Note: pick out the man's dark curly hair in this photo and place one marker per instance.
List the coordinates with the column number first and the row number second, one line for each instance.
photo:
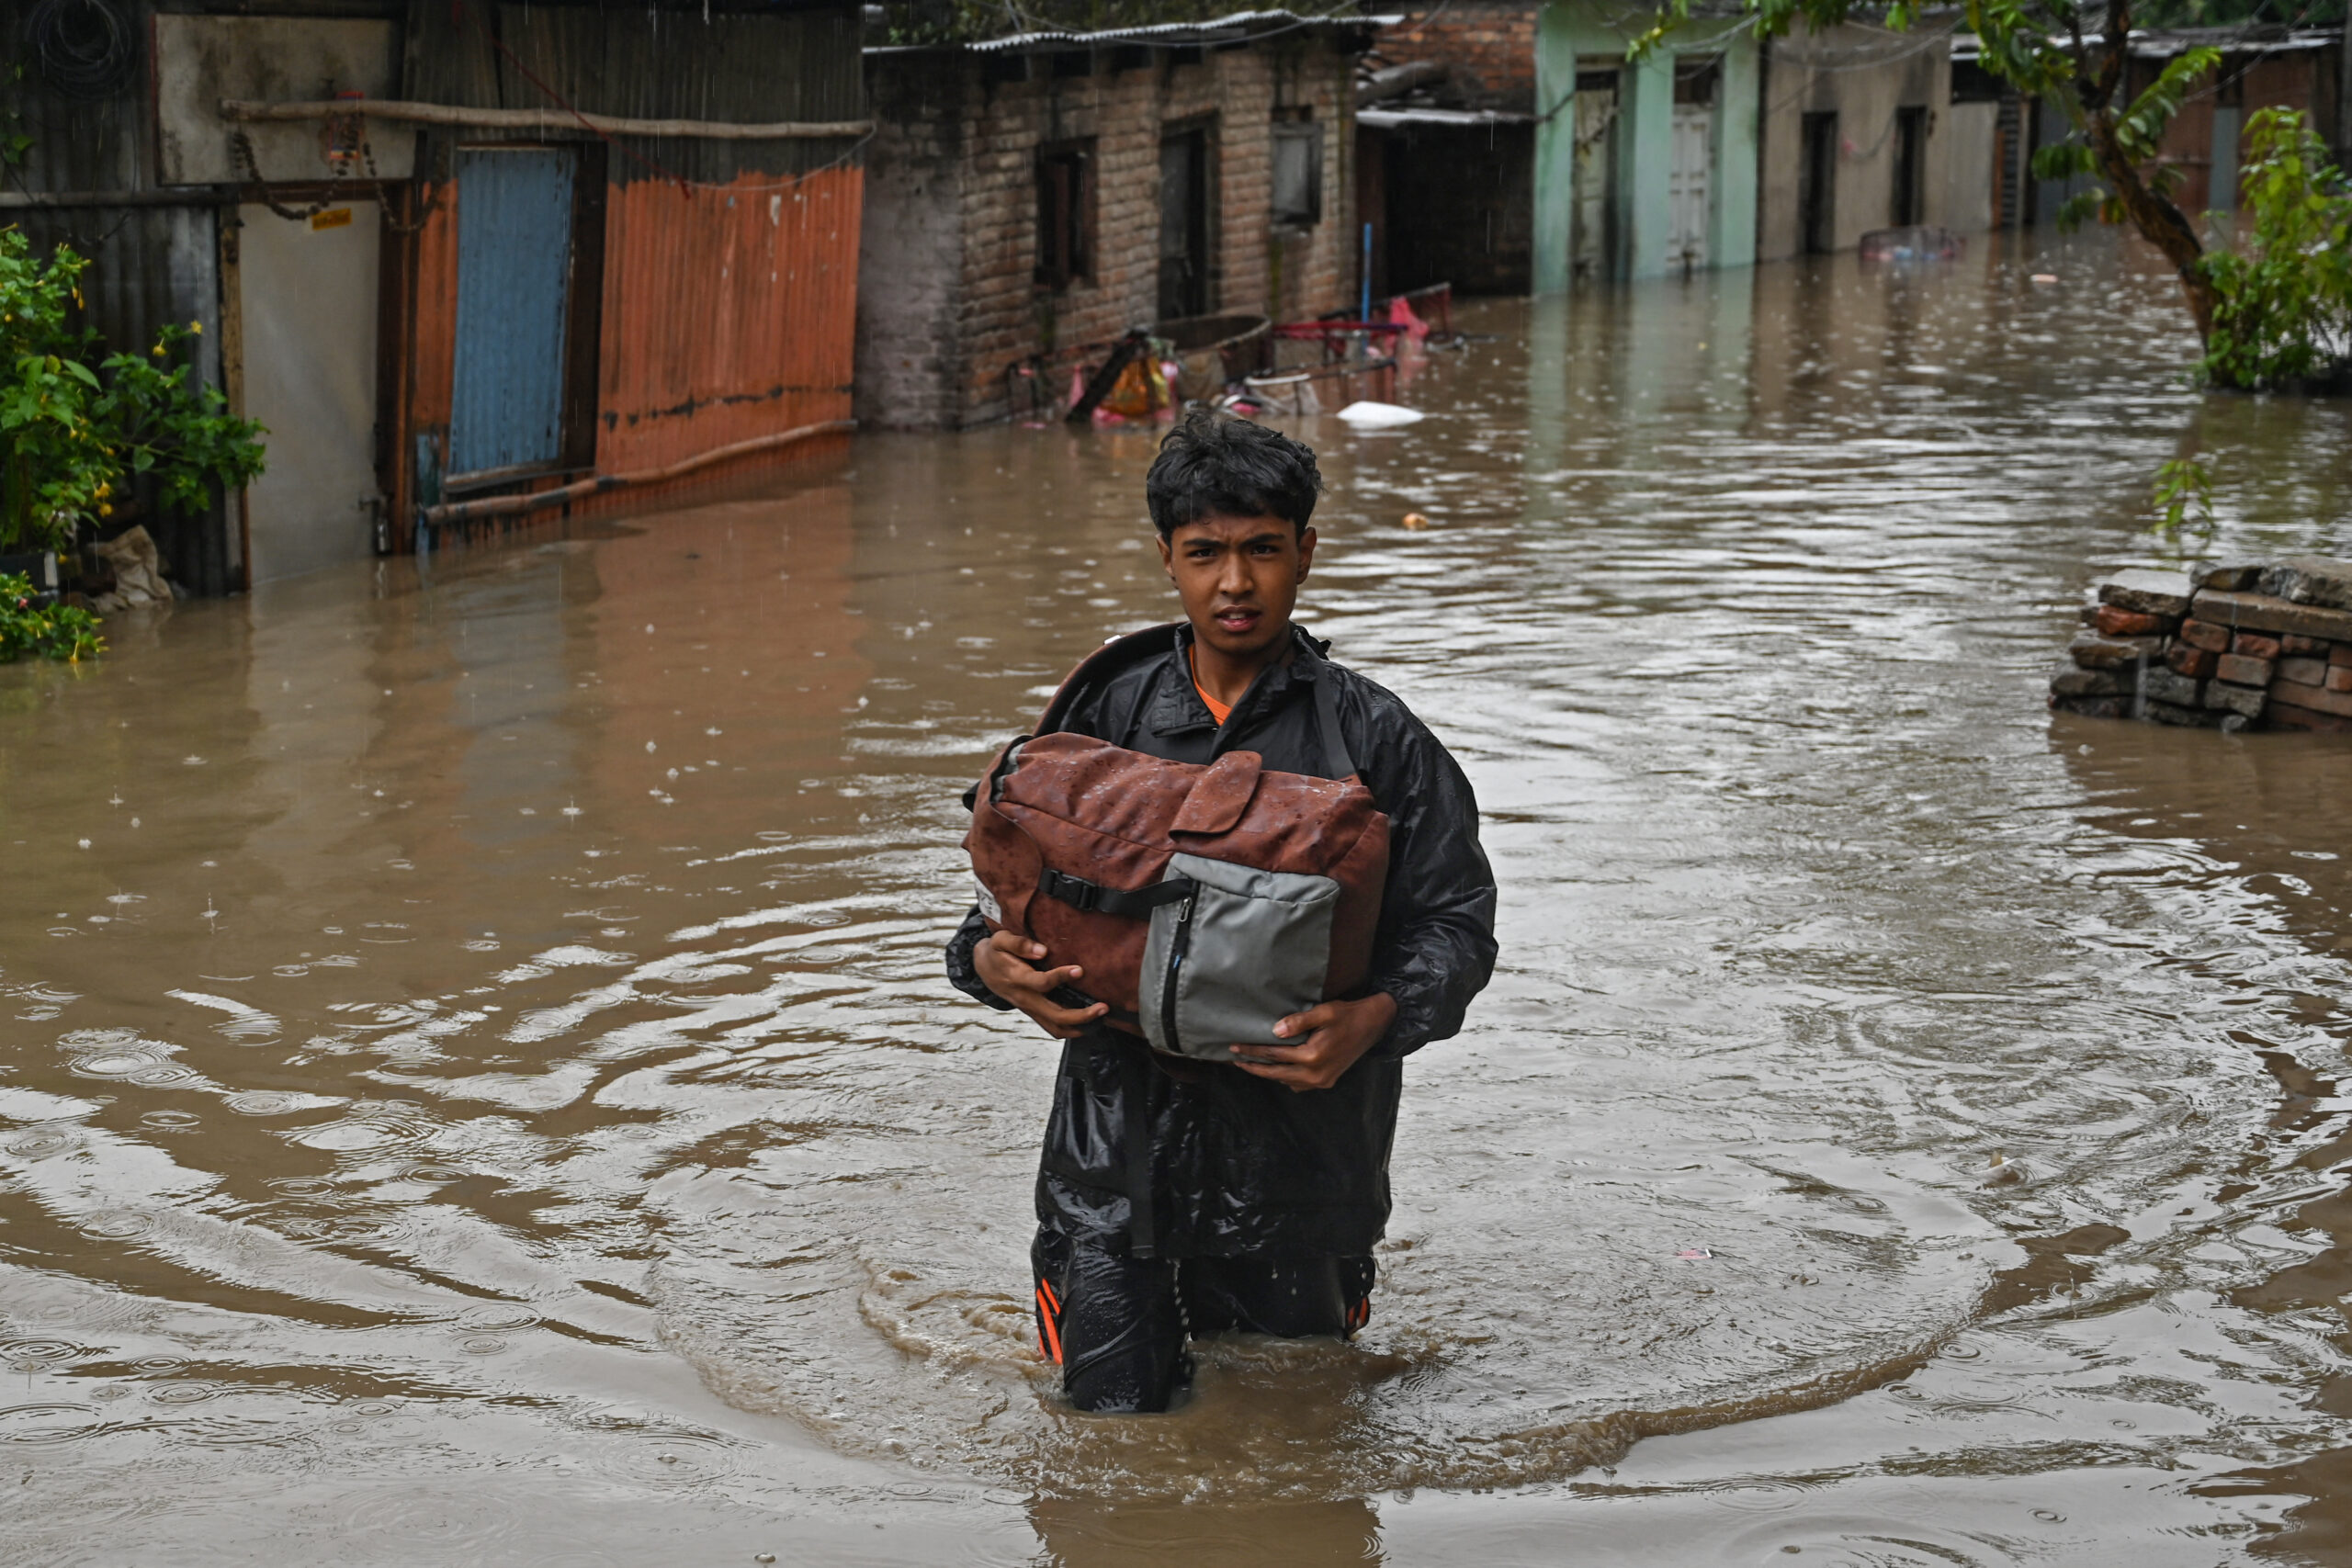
column 1215, row 464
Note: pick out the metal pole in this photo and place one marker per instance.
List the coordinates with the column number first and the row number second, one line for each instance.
column 1366, row 314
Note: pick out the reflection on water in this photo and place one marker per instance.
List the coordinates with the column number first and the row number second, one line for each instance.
column 479, row 1087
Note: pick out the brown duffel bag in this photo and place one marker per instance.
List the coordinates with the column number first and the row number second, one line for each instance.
column 1205, row 902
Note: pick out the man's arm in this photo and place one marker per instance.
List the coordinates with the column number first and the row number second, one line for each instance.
column 1435, row 950
column 1436, row 947
column 1001, row 970
column 962, row 972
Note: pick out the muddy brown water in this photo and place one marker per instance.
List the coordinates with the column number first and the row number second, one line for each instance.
column 479, row 1089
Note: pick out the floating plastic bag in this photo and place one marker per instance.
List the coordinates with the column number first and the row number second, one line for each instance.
column 1376, row 414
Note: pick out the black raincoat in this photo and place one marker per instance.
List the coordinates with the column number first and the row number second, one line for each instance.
column 1239, row 1165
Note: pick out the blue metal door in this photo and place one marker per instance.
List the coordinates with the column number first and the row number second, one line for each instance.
column 513, row 271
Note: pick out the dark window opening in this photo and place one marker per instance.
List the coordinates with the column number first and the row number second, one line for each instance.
column 1907, row 206
column 1298, row 173
column 1695, row 80
column 1971, row 83
column 1064, row 214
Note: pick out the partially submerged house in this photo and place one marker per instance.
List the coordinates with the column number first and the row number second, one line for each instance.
column 466, row 259
column 1855, row 135
column 1031, row 197
column 1644, row 167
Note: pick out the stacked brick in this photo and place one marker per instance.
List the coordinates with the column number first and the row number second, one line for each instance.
column 2236, row 647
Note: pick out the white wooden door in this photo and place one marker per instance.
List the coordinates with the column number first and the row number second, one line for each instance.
column 1687, row 186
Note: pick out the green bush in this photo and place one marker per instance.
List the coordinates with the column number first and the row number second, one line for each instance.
column 57, row 631
column 2282, row 292
column 71, row 434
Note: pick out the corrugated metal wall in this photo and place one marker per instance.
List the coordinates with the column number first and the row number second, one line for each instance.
column 727, row 308
column 149, row 265
column 729, row 313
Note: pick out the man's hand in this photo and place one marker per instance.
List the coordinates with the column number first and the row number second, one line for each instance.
column 1337, row 1034
column 1006, row 964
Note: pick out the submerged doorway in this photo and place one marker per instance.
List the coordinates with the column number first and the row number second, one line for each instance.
column 1908, row 206
column 1817, row 185
column 1184, row 225
column 515, row 223
column 308, row 299
column 1689, row 178
column 1592, row 240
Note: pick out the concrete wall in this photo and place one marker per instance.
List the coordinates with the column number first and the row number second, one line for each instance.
column 949, row 298
column 1574, row 31
column 1970, row 147
column 910, row 271
column 1863, row 76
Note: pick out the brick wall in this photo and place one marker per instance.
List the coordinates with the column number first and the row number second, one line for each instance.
column 1488, row 45
column 908, row 360
column 949, row 298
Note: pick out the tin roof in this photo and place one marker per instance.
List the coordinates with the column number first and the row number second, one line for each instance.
column 1383, row 119
column 2162, row 43
column 1237, row 28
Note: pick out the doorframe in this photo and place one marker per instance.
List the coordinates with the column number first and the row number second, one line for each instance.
column 1206, row 199
column 584, row 319
column 1598, row 74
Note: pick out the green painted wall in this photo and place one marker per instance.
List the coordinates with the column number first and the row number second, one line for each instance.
column 1556, row 76
column 1570, row 31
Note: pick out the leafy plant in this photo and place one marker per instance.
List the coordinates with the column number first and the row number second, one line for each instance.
column 52, row 631
column 2182, row 484
column 70, row 435
column 2282, row 293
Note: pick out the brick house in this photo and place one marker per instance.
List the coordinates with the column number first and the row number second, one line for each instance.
column 1030, row 198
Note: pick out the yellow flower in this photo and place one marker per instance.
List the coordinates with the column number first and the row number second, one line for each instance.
column 197, row 327
column 105, row 511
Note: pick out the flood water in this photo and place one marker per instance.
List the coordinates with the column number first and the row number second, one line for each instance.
column 479, row 1086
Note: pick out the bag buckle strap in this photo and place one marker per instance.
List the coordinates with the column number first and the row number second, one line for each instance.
column 1135, row 905
column 1075, row 891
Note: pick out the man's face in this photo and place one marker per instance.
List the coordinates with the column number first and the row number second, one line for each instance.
column 1238, row 578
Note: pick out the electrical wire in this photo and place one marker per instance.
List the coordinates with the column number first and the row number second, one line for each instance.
column 84, row 49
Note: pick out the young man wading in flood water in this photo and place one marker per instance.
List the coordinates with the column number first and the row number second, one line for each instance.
column 1268, row 1179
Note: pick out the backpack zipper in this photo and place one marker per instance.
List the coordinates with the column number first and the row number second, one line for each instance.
column 1177, row 947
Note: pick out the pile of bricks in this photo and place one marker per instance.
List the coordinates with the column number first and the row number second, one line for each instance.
column 2248, row 645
